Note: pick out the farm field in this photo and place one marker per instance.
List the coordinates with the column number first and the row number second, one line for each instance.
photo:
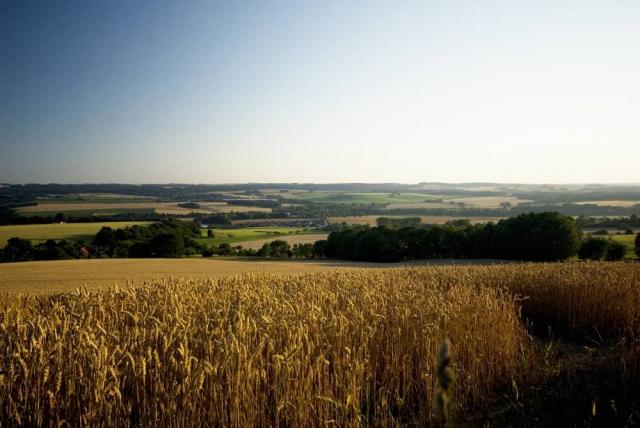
column 346, row 348
column 86, row 206
column 268, row 221
column 366, row 198
column 97, row 208
column 80, row 198
column 235, row 236
column 488, row 201
column 75, row 231
column 371, row 219
column 612, row 203
column 419, row 205
column 59, row 276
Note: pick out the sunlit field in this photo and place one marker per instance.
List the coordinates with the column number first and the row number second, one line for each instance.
column 59, row 276
column 347, row 348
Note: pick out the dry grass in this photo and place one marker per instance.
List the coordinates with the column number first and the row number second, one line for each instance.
column 344, row 349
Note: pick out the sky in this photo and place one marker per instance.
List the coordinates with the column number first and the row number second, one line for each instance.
column 319, row 91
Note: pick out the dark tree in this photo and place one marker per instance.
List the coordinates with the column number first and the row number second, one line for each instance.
column 225, row 249
column 18, row 250
column 105, row 237
column 280, row 248
column 264, row 251
column 638, row 245
column 166, row 245
column 593, row 249
column 207, row 252
column 140, row 250
column 615, row 250
column 318, row 249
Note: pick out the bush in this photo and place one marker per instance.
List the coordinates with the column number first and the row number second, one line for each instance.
column 207, row 252
column 190, row 251
column 18, row 250
column 593, row 249
column 225, row 249
column 638, row 245
column 191, row 205
column 166, row 245
column 615, row 250
column 139, row 250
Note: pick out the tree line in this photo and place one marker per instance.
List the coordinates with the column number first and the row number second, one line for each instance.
column 533, row 236
column 620, row 223
column 168, row 238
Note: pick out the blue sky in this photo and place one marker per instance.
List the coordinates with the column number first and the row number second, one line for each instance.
column 301, row 91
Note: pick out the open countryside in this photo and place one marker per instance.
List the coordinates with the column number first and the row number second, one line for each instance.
column 319, row 214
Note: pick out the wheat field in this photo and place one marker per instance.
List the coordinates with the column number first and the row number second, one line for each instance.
column 344, row 348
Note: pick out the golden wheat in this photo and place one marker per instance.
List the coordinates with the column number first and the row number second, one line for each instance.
column 255, row 350
column 346, row 348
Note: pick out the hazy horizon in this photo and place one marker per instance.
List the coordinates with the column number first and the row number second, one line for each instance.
column 234, row 183
column 320, row 92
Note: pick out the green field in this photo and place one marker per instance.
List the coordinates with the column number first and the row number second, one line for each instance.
column 234, row 236
column 95, row 198
column 366, row 198
column 76, row 231
column 89, row 213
